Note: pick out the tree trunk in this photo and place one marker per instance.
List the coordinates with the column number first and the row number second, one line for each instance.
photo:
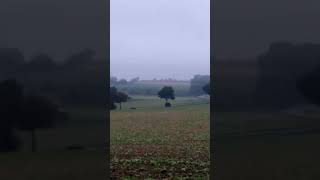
column 120, row 106
column 33, row 140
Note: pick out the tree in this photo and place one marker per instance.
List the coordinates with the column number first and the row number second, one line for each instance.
column 280, row 67
column 206, row 88
column 38, row 112
column 11, row 95
column 120, row 98
column 113, row 96
column 197, row 83
column 166, row 93
column 309, row 86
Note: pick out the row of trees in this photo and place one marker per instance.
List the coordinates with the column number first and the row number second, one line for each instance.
column 114, row 81
column 25, row 113
column 197, row 83
column 285, row 70
column 78, row 79
column 167, row 93
column 151, row 87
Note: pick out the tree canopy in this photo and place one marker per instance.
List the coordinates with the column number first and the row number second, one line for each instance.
column 197, row 83
column 166, row 93
column 309, row 86
column 27, row 113
column 206, row 88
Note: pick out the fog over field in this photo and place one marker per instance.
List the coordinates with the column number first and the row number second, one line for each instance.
column 160, row 38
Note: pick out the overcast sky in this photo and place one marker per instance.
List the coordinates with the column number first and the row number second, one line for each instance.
column 245, row 28
column 160, row 38
column 56, row 27
column 156, row 38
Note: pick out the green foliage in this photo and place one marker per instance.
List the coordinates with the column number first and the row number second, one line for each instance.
column 166, row 93
column 309, row 86
column 117, row 97
column 38, row 112
column 206, row 88
column 151, row 88
column 197, row 83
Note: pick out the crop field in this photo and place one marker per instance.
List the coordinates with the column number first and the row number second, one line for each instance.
column 266, row 145
column 155, row 142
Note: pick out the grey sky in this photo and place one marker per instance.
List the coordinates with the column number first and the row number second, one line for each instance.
column 160, row 38
column 245, row 28
column 56, row 27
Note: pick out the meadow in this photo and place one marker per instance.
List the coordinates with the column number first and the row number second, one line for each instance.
column 266, row 145
column 155, row 142
column 86, row 128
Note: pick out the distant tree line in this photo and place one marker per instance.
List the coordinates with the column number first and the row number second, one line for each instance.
column 114, row 81
column 151, row 87
column 283, row 73
column 197, row 84
column 78, row 79
column 282, row 76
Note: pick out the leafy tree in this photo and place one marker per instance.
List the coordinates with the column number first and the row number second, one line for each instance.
column 11, row 95
column 280, row 67
column 113, row 96
column 309, row 86
column 38, row 112
column 166, row 93
column 206, row 88
column 197, row 83
column 120, row 98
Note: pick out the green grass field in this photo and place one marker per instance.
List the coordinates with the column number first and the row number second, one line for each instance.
column 86, row 127
column 266, row 145
column 152, row 141
column 155, row 142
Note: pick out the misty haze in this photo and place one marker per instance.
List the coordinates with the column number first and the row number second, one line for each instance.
column 160, row 39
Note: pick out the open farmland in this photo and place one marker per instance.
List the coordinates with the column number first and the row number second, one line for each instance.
column 85, row 128
column 152, row 141
column 266, row 145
